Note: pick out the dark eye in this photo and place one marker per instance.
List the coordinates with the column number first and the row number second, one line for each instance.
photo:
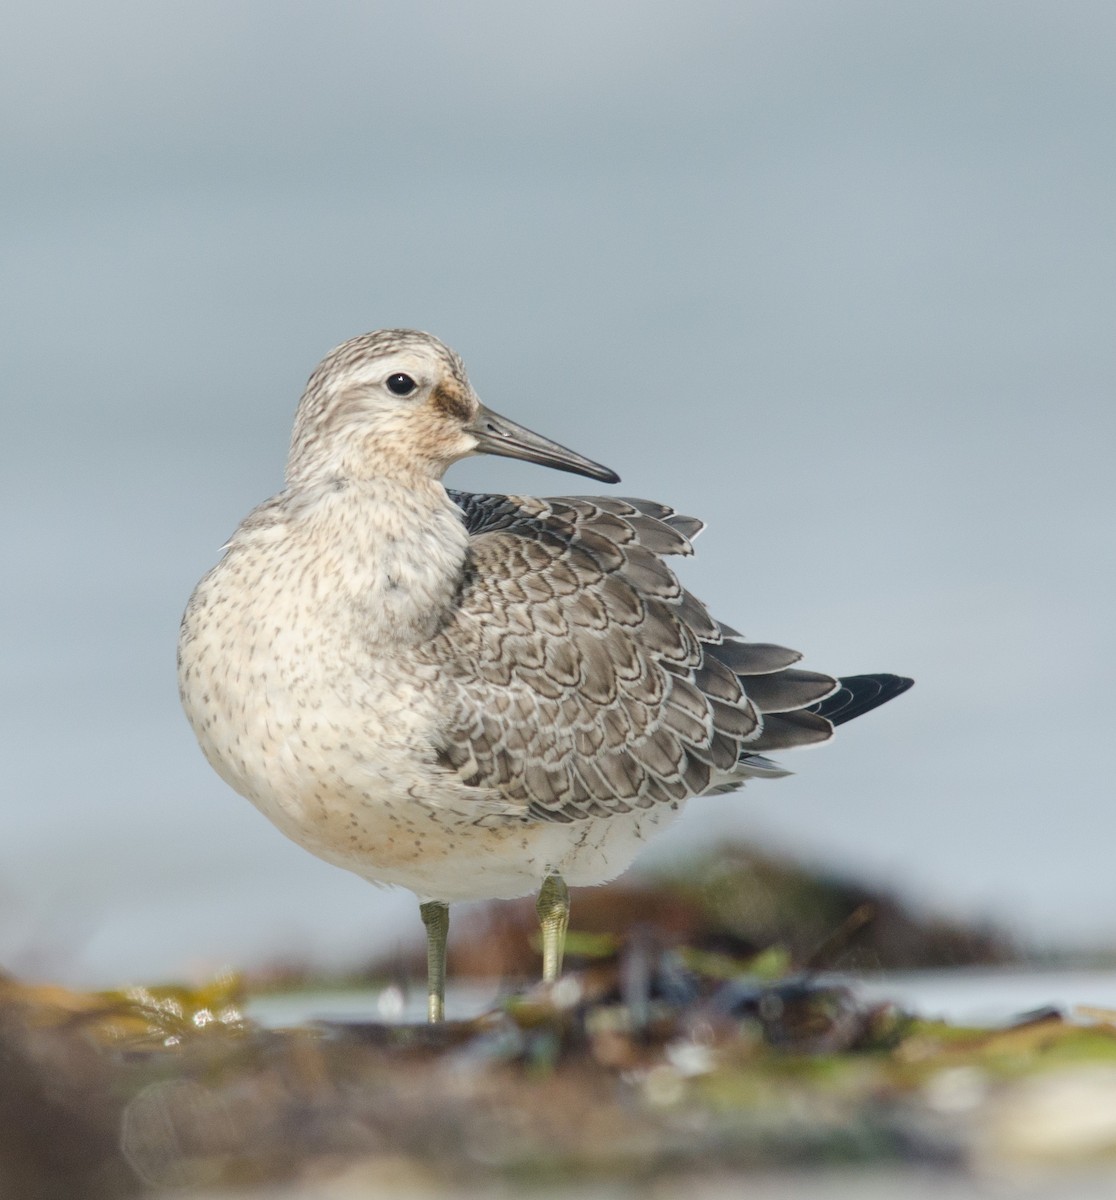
column 401, row 385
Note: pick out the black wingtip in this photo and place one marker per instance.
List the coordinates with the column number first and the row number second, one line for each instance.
column 860, row 694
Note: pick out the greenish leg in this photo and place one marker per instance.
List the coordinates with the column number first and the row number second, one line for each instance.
column 435, row 916
column 553, row 907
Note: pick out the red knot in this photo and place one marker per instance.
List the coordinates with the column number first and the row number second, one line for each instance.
column 472, row 696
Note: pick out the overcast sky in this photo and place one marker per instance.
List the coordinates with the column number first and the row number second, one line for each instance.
column 837, row 277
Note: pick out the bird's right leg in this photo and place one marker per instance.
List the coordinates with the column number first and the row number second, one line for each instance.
column 435, row 916
column 553, row 907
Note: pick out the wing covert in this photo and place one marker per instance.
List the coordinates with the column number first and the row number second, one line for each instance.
column 583, row 679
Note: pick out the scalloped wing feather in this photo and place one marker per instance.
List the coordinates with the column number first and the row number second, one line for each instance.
column 584, row 680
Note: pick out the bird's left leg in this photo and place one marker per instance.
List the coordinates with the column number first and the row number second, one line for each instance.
column 435, row 916
column 553, row 907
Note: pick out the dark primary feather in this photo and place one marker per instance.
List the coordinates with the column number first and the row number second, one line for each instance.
column 859, row 694
column 585, row 681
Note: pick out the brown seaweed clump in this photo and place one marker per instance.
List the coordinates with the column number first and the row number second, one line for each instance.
column 652, row 1061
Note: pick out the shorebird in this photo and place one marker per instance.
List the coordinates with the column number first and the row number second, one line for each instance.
column 472, row 696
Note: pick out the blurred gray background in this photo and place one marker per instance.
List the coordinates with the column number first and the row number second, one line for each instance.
column 836, row 276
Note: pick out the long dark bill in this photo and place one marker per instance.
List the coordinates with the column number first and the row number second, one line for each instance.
column 498, row 435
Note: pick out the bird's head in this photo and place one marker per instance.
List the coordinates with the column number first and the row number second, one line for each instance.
column 398, row 403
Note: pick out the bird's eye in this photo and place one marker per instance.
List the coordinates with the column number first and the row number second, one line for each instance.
column 400, row 384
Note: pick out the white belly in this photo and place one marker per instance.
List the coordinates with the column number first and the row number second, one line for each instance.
column 392, row 818
column 339, row 755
